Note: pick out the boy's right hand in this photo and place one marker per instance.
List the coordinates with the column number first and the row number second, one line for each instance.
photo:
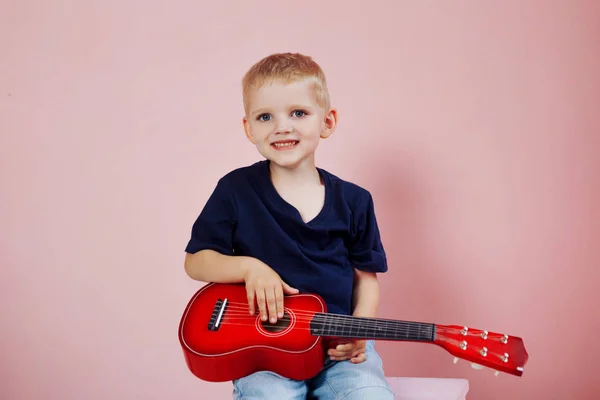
column 266, row 287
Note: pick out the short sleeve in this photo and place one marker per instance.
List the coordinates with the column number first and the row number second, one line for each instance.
column 366, row 251
column 214, row 227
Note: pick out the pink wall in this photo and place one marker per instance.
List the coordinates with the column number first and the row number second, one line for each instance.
column 475, row 127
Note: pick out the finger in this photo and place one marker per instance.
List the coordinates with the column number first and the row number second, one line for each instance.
column 271, row 305
column 359, row 358
column 250, row 295
column 288, row 289
column 341, row 346
column 260, row 300
column 279, row 300
column 356, row 352
column 340, row 353
column 340, row 357
column 347, row 347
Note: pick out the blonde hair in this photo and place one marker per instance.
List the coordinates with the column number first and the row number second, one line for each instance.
column 288, row 68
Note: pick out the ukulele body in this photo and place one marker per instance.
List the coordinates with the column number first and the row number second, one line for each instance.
column 221, row 341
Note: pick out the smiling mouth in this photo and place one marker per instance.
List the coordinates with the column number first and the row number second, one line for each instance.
column 285, row 145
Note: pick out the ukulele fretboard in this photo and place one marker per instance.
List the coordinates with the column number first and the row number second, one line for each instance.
column 324, row 324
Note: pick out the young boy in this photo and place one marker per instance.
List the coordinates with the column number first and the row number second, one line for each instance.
column 284, row 226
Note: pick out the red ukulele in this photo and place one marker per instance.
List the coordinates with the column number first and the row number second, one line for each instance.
column 221, row 341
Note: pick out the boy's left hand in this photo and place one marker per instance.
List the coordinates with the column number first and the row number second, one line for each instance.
column 353, row 350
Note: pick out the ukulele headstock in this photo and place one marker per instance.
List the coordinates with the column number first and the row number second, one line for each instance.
column 497, row 351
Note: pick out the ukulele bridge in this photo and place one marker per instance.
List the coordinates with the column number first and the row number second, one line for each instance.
column 215, row 319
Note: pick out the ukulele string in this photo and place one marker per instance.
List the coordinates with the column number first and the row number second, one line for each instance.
column 353, row 331
column 341, row 324
column 340, row 327
column 244, row 306
column 241, row 309
column 338, row 324
column 241, row 312
column 328, row 319
column 238, row 312
column 328, row 323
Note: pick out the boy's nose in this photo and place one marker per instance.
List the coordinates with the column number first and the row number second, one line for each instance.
column 283, row 128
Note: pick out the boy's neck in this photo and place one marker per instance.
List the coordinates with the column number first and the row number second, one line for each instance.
column 305, row 174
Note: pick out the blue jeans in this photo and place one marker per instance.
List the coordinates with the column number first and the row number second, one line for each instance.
column 338, row 380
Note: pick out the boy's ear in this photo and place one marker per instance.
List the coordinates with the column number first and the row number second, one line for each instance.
column 331, row 121
column 247, row 130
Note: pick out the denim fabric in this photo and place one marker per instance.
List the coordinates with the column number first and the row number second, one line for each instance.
column 339, row 380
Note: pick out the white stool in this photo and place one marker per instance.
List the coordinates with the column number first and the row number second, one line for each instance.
column 429, row 388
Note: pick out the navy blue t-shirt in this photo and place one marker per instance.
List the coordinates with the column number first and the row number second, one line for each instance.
column 245, row 216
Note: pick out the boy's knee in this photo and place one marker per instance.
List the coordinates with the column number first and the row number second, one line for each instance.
column 370, row 392
column 266, row 386
column 359, row 381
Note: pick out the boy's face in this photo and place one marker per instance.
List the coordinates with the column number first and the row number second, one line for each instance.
column 286, row 122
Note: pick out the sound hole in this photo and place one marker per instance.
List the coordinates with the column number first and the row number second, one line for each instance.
column 281, row 324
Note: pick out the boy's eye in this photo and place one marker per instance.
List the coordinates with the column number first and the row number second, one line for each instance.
column 298, row 113
column 264, row 117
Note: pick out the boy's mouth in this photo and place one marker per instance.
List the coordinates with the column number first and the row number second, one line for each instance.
column 284, row 144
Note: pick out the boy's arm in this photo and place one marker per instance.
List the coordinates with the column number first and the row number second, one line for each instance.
column 368, row 256
column 209, row 253
column 365, row 301
column 365, row 297
column 264, row 286
column 212, row 266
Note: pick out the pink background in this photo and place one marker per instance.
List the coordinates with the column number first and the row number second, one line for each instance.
column 475, row 127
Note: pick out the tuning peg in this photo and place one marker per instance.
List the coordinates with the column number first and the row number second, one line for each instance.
column 476, row 366
column 455, row 360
